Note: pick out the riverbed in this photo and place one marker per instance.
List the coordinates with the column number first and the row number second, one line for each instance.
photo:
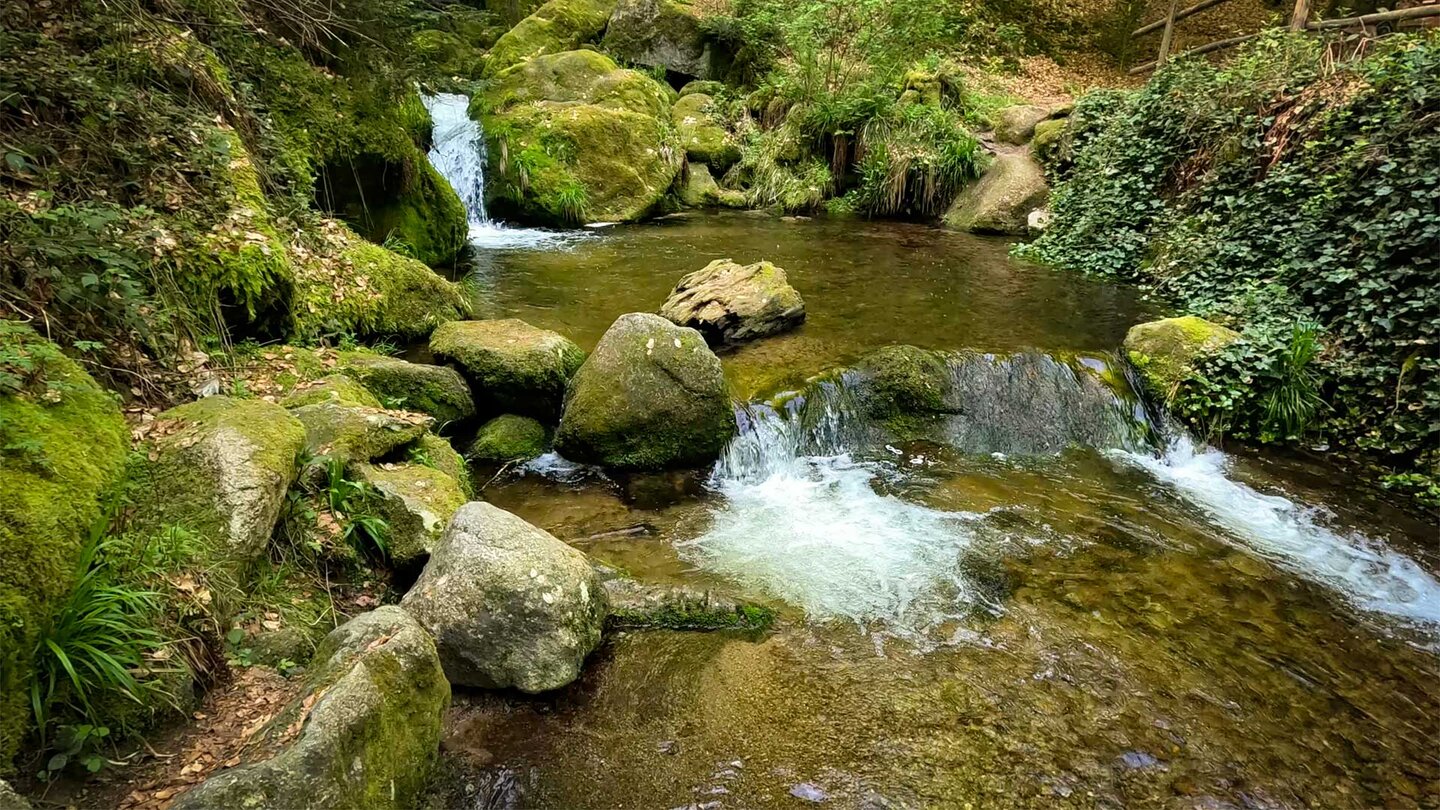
column 1102, row 627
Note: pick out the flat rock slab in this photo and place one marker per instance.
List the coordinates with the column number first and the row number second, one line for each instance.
column 514, row 367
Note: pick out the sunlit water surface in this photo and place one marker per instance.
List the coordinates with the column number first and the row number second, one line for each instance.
column 1100, row 628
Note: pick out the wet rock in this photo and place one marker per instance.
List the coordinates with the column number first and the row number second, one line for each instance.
column 1011, row 187
column 510, row 438
column 1016, row 124
column 368, row 720
column 704, row 137
column 809, row 792
column 701, row 190
column 559, row 25
column 636, row 605
column 514, row 367
column 651, row 396
column 358, row 433
column 731, row 303
column 659, row 33
column 220, row 468
column 65, row 447
column 1165, row 351
column 416, row 502
column 439, row 391
column 334, row 388
column 615, row 122
column 1139, row 760
column 508, row 604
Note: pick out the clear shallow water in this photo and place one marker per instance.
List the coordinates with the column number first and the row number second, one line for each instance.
column 1090, row 629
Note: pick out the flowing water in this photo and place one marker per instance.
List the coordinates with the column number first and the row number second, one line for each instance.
column 1049, row 601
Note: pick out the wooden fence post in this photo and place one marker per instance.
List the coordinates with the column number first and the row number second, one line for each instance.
column 1168, row 35
column 1301, row 15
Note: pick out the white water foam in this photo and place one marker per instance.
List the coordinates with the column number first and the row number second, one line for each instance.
column 813, row 531
column 458, row 153
column 1364, row 571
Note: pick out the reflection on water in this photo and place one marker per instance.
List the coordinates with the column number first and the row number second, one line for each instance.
column 1082, row 629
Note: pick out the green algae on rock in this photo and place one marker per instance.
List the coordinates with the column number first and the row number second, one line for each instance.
column 1011, row 187
column 701, row 191
column 731, row 303
column 63, row 444
column 357, row 433
column 651, row 396
column 219, row 467
column 435, row 390
column 574, row 138
column 416, row 503
column 704, row 138
column 509, row 605
column 1165, row 351
column 368, row 720
column 559, row 25
column 514, row 367
column 332, row 388
column 509, row 437
column 437, row 452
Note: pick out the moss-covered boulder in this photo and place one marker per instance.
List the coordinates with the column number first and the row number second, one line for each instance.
column 733, row 303
column 573, row 138
column 1048, row 143
column 1165, row 351
column 513, row 367
column 365, row 731
column 701, row 191
column 509, row 437
column 439, row 391
column 437, row 452
column 709, row 87
column 219, row 467
column 508, row 604
column 701, row 133
column 557, row 26
column 416, row 503
column 357, row 433
column 330, row 388
column 904, row 380
column 362, row 288
column 63, row 444
column 663, row 34
column 1012, row 186
column 400, row 202
column 651, row 396
column 1015, row 124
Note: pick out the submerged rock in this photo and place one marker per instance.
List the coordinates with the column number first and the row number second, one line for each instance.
column 439, row 391
column 1016, row 124
column 416, row 503
column 510, row 438
column 220, row 467
column 1165, row 351
column 1000, row 202
column 635, row 605
column 704, row 138
column 651, row 396
column 661, row 34
column 515, row 367
column 65, row 444
column 358, row 433
column 598, row 139
column 559, row 25
column 731, row 303
column 369, row 724
column 336, row 388
column 508, row 604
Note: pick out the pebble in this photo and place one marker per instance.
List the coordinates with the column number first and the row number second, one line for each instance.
column 809, row 792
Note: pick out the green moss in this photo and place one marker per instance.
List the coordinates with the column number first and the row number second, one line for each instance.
column 437, row 453
column 1165, row 351
column 435, row 390
column 559, row 25
column 355, row 433
column 416, row 503
column 428, row 217
column 62, row 449
column 334, row 388
column 509, row 438
column 513, row 366
column 1049, row 140
column 905, row 382
column 703, row 137
column 693, row 617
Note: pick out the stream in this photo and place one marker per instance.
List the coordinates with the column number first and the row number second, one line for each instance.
column 1053, row 601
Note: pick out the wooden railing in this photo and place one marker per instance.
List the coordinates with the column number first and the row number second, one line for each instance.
column 1299, row 21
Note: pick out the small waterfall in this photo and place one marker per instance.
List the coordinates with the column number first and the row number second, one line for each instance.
column 457, row 152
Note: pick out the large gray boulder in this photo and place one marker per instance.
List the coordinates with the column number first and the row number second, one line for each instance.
column 515, row 367
column 220, row 468
column 732, row 303
column 364, row 732
column 1016, row 124
column 1012, row 186
column 659, row 33
column 651, row 396
column 509, row 605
